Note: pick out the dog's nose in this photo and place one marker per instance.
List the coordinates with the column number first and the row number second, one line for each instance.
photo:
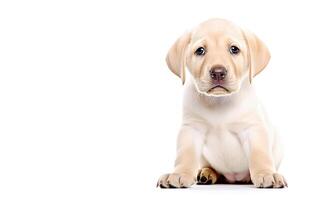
column 218, row 73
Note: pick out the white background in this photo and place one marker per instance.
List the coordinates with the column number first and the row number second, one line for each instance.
column 89, row 109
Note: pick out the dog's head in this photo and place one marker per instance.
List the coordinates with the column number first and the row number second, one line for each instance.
column 219, row 55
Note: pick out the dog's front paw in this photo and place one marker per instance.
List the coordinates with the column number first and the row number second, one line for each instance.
column 269, row 180
column 176, row 180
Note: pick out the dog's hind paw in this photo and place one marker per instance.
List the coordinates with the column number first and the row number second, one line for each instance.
column 207, row 176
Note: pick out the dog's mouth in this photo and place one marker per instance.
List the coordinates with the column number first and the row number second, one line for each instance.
column 218, row 88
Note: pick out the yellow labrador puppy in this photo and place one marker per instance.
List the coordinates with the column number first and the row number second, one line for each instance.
column 225, row 134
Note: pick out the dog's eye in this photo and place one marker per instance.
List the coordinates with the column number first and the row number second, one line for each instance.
column 200, row 51
column 234, row 50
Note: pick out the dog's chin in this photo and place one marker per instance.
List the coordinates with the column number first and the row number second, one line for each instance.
column 218, row 91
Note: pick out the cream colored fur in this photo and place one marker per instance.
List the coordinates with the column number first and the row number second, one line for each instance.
column 224, row 132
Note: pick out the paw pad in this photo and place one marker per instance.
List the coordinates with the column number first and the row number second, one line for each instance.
column 206, row 176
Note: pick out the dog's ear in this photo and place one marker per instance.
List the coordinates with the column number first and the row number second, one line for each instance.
column 258, row 54
column 176, row 57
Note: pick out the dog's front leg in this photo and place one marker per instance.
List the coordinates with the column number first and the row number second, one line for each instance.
column 261, row 164
column 187, row 162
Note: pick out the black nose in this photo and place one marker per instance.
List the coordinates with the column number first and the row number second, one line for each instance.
column 218, row 73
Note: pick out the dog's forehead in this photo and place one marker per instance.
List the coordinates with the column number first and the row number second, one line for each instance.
column 217, row 28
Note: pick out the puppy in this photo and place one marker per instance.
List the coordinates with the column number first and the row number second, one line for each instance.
column 225, row 134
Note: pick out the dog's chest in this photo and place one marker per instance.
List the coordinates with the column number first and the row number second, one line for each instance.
column 224, row 151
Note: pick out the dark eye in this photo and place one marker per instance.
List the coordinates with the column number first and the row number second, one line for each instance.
column 234, row 50
column 200, row 51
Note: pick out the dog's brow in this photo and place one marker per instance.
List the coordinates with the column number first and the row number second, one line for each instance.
column 199, row 42
column 234, row 42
